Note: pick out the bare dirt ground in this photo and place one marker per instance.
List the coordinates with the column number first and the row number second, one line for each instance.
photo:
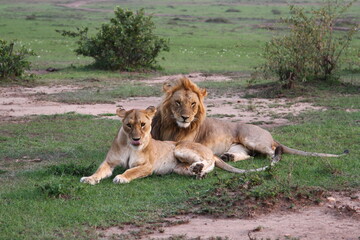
column 18, row 102
column 337, row 218
column 329, row 221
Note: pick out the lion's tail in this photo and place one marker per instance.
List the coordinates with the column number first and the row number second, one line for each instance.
column 223, row 165
column 314, row 154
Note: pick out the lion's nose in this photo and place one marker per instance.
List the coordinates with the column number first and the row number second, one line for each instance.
column 184, row 117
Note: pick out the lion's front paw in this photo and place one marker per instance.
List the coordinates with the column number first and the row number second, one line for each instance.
column 120, row 179
column 89, row 180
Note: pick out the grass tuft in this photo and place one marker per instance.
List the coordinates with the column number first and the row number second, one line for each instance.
column 72, row 169
column 64, row 189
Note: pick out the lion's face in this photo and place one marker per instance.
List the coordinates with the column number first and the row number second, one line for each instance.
column 137, row 125
column 184, row 107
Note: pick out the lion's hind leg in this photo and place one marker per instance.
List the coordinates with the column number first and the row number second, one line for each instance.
column 235, row 153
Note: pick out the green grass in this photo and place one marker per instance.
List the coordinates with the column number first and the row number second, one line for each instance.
column 44, row 199
column 195, row 45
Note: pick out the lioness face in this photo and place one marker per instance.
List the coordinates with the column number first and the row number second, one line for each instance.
column 137, row 125
column 184, row 107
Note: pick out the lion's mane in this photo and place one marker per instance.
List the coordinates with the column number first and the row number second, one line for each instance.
column 164, row 127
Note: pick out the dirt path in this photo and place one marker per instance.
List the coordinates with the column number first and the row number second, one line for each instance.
column 18, row 102
column 338, row 218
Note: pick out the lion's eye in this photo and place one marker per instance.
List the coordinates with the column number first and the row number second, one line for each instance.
column 128, row 125
column 142, row 124
column 193, row 104
column 178, row 103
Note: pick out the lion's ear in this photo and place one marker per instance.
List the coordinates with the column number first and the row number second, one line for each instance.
column 168, row 85
column 121, row 112
column 203, row 92
column 150, row 111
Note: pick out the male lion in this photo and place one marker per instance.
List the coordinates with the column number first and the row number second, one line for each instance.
column 134, row 149
column 182, row 116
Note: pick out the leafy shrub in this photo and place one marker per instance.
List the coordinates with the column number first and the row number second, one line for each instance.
column 312, row 50
column 126, row 43
column 12, row 61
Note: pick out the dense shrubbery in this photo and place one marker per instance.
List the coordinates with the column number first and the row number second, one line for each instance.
column 12, row 61
column 312, row 50
column 126, row 43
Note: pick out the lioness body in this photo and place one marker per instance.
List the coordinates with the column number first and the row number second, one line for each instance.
column 134, row 149
column 182, row 116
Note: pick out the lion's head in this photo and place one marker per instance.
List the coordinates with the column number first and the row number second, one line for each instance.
column 181, row 111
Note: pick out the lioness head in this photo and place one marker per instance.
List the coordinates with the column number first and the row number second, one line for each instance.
column 184, row 102
column 137, row 125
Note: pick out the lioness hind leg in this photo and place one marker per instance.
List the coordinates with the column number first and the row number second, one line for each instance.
column 195, row 169
column 235, row 153
column 198, row 157
column 105, row 170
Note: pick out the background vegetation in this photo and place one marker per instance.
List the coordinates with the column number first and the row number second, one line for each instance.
column 42, row 158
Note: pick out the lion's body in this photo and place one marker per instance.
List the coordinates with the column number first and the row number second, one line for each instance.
column 182, row 116
column 135, row 150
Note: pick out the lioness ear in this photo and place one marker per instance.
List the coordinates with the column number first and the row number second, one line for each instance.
column 150, row 111
column 121, row 112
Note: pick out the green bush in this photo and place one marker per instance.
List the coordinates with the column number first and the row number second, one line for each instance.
column 12, row 61
column 126, row 43
column 312, row 50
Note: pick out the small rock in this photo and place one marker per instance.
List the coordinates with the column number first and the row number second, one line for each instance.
column 331, row 199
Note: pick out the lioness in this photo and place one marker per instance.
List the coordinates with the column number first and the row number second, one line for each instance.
column 182, row 116
column 134, row 149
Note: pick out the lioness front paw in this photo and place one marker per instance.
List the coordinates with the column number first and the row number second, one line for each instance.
column 120, row 179
column 89, row 180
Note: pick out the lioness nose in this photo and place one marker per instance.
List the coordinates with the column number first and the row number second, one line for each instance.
column 184, row 117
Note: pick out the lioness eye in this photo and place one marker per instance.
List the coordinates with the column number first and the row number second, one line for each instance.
column 178, row 103
column 193, row 104
column 142, row 124
column 128, row 125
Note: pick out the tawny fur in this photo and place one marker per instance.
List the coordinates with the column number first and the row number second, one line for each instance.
column 182, row 116
column 134, row 149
